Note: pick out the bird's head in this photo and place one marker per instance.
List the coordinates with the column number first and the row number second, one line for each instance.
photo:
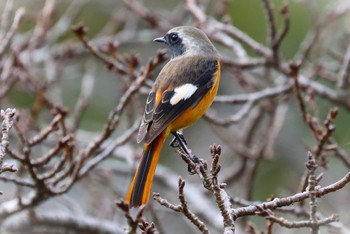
column 188, row 41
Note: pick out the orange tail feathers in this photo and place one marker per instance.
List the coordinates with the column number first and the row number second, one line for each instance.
column 140, row 188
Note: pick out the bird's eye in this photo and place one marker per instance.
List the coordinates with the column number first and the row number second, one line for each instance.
column 173, row 38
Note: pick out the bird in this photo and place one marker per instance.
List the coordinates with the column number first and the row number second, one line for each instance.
column 184, row 89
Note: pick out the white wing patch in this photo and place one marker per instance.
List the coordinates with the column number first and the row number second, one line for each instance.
column 183, row 92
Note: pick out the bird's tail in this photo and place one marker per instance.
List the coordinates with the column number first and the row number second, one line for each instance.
column 140, row 188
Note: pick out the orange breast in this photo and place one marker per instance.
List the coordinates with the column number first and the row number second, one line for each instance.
column 191, row 115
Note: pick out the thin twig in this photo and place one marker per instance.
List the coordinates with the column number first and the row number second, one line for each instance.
column 14, row 27
column 5, row 16
column 344, row 74
column 85, row 94
column 196, row 11
column 281, row 35
column 271, row 22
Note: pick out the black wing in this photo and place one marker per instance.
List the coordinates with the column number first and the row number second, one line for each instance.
column 201, row 74
column 147, row 116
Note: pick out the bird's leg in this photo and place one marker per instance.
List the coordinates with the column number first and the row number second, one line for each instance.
column 182, row 137
column 174, row 143
column 180, row 142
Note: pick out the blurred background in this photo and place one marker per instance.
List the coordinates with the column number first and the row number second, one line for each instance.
column 59, row 64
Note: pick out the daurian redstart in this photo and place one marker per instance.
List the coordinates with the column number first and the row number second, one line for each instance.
column 182, row 92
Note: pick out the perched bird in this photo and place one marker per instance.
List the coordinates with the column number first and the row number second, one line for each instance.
column 184, row 89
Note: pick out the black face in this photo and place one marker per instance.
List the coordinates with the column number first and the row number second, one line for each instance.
column 175, row 44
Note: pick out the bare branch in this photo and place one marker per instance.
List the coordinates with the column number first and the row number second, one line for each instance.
column 67, row 222
column 14, row 27
column 286, row 201
column 196, row 11
column 6, row 125
column 5, row 16
column 344, row 74
column 183, row 208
